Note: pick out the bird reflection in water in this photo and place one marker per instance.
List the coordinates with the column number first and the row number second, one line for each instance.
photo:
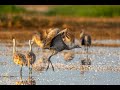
column 86, row 61
column 29, row 81
column 68, row 56
column 41, row 64
column 85, row 65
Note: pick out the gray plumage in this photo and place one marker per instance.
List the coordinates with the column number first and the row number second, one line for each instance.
column 58, row 45
column 85, row 40
column 31, row 57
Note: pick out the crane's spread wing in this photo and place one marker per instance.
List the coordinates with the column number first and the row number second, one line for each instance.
column 58, row 43
column 50, row 36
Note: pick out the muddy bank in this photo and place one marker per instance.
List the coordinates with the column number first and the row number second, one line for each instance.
column 23, row 26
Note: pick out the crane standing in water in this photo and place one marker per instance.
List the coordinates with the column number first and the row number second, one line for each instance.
column 85, row 40
column 30, row 57
column 18, row 57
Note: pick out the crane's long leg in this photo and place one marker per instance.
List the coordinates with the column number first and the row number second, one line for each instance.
column 49, row 61
column 31, row 70
column 29, row 67
column 21, row 72
column 87, row 49
column 30, row 73
column 87, row 57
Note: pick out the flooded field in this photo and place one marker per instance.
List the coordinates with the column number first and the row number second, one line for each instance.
column 103, row 67
column 100, row 66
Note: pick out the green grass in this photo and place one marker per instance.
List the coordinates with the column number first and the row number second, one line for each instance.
column 6, row 9
column 69, row 10
column 85, row 10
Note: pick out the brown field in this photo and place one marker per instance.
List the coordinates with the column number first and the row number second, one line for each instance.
column 24, row 26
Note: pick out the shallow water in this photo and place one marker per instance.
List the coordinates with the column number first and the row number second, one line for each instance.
column 107, row 41
column 104, row 68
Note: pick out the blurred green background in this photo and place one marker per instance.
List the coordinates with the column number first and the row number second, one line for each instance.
column 68, row 10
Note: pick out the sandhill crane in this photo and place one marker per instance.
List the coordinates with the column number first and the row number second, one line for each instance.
column 57, row 45
column 30, row 57
column 18, row 58
column 53, row 32
column 85, row 40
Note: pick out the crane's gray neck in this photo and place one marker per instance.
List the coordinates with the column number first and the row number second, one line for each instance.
column 73, row 47
column 14, row 46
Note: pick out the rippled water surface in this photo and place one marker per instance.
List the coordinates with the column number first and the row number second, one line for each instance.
column 104, row 68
